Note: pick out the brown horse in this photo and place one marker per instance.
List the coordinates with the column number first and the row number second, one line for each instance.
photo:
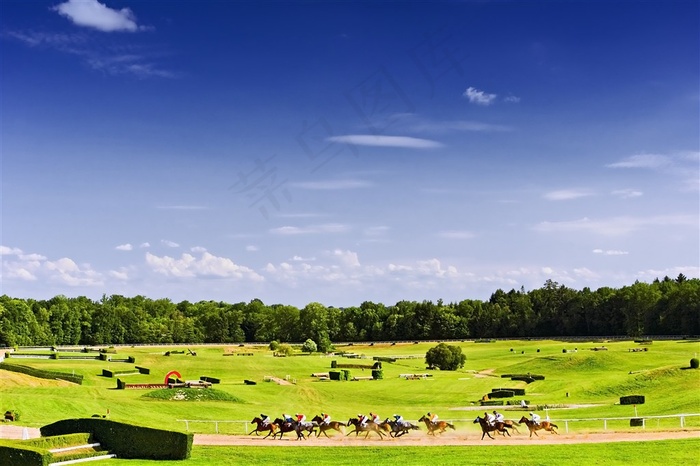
column 534, row 427
column 486, row 427
column 397, row 430
column 299, row 428
column 271, row 428
column 323, row 427
column 439, row 426
column 369, row 427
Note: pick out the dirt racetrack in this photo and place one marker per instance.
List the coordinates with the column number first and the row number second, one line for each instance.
column 447, row 439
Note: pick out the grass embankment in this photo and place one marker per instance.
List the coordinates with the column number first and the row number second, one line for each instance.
column 583, row 378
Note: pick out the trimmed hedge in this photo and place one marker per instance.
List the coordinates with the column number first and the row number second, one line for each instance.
column 516, row 391
column 127, row 441
column 636, row 422
column 491, row 402
column 502, row 394
column 42, row 374
column 20, row 454
column 143, row 370
column 377, row 374
column 383, row 359
column 632, row 400
column 109, row 373
column 694, row 363
column 204, row 378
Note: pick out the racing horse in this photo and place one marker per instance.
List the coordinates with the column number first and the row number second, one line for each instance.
column 486, row 427
column 286, row 426
column 262, row 427
column 534, row 427
column 397, row 430
column 323, row 427
column 439, row 426
column 369, row 427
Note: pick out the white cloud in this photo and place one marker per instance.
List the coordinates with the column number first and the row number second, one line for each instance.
column 651, row 274
column 93, row 14
column 198, row 249
column 208, row 265
column 627, row 193
column 145, row 245
column 456, row 234
column 617, row 225
column 511, row 99
column 124, row 247
column 311, row 229
column 8, row 251
column 642, row 161
column 478, row 97
column 405, row 142
column 347, row 258
column 332, row 184
column 121, row 274
column 566, row 195
column 168, row 243
column 251, row 248
column 610, row 252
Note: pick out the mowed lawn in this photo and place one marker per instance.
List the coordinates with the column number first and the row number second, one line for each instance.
column 578, row 385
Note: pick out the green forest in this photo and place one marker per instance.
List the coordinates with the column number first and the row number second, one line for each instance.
column 664, row 307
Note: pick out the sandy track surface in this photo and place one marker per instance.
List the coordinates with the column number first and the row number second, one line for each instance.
column 448, row 439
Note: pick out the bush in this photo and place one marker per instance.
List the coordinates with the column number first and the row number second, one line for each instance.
column 445, row 357
column 285, row 350
column 334, row 375
column 309, row 346
column 377, row 374
column 274, row 345
column 502, row 394
column 694, row 363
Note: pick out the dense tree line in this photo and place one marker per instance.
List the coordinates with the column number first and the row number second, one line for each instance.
column 663, row 307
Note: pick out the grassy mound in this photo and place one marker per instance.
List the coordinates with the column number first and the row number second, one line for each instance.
column 192, row 394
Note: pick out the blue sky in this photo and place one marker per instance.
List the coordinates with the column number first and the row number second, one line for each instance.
column 341, row 152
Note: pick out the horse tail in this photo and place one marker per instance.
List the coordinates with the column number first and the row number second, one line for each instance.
column 553, row 425
column 451, row 426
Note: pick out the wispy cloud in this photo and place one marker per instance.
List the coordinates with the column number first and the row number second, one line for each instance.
column 198, row 249
column 95, row 15
column 124, row 247
column 168, row 243
column 311, row 229
column 456, row 234
column 617, row 225
column 332, row 184
column 642, row 161
column 478, row 97
column 627, row 193
column 252, row 248
column 405, row 142
column 566, row 194
column 511, row 99
column 610, row 252
column 145, row 245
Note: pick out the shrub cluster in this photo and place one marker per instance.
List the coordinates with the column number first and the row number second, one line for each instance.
column 42, row 374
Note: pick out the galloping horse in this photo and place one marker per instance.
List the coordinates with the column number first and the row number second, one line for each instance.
column 397, row 430
column 323, row 427
column 486, row 427
column 534, row 427
column 369, row 427
column 262, row 427
column 510, row 424
column 285, row 426
column 439, row 426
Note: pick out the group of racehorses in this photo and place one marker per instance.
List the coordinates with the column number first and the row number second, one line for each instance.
column 395, row 429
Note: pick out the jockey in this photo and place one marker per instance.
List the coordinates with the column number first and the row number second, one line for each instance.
column 399, row 420
column 265, row 419
column 326, row 418
column 535, row 418
column 433, row 417
column 287, row 418
column 375, row 418
column 363, row 420
column 498, row 417
column 488, row 418
column 301, row 418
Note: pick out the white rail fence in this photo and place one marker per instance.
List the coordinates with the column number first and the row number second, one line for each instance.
column 645, row 420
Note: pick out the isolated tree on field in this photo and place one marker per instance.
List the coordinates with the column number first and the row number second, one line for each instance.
column 309, row 346
column 445, row 357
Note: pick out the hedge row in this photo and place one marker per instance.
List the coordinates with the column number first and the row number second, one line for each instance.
column 632, row 400
column 516, row 391
column 42, row 374
column 209, row 379
column 501, row 394
column 127, row 441
column 109, row 373
column 143, row 370
column 383, row 359
column 340, row 375
column 491, row 402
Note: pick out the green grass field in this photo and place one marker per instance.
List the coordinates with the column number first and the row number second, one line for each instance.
column 582, row 385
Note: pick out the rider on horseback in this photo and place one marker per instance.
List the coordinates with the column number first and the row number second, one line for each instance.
column 433, row 417
column 363, row 420
column 301, row 418
column 375, row 418
column 399, row 420
column 265, row 419
column 287, row 418
column 489, row 418
column 535, row 418
column 326, row 418
column 498, row 417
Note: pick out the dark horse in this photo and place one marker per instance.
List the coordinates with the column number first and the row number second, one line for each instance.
column 299, row 428
column 439, row 426
column 534, row 427
column 323, row 427
column 397, row 430
column 486, row 427
column 369, row 427
column 271, row 428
